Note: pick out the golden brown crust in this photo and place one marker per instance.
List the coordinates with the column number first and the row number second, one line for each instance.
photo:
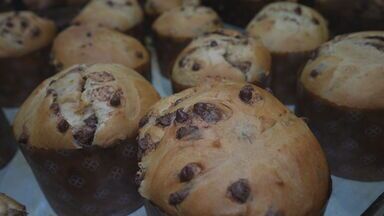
column 89, row 45
column 120, row 15
column 11, row 207
column 349, row 71
column 24, row 32
column 157, row 7
column 85, row 105
column 289, row 27
column 186, row 22
column 222, row 55
column 230, row 149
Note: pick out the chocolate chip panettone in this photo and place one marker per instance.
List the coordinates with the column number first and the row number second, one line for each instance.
column 10, row 207
column 122, row 15
column 229, row 149
column 291, row 32
column 342, row 95
column 24, row 54
column 221, row 55
column 88, row 45
column 77, row 131
column 174, row 29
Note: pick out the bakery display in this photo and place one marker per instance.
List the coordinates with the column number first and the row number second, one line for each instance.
column 238, row 12
column 89, row 45
column 10, row 207
column 174, row 29
column 25, row 39
column 342, row 96
column 125, row 16
column 221, row 55
column 229, row 149
column 291, row 32
column 347, row 16
column 77, row 132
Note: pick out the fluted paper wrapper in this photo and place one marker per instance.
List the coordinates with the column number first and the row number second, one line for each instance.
column 88, row 181
column 353, row 139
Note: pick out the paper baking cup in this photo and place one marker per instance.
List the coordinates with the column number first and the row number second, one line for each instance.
column 284, row 74
column 89, row 181
column 19, row 76
column 353, row 139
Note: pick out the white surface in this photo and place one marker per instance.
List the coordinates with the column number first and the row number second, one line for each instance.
column 349, row 198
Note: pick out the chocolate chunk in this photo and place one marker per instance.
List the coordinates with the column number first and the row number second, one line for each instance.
column 239, row 191
column 139, row 55
column 84, row 136
column 189, row 171
column 208, row 112
column 63, row 126
column 298, row 10
column 178, row 197
column 314, row 73
column 187, row 132
column 143, row 121
column 35, row 32
column 145, row 145
column 55, row 108
column 181, row 116
column 315, row 21
column 245, row 94
column 103, row 93
column 165, row 120
column 116, row 99
column 196, row 66
column 213, row 44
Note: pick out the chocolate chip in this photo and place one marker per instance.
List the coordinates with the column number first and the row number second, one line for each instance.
column 116, row 99
column 298, row 10
column 145, row 144
column 91, row 121
column 243, row 66
column 110, row 3
column 213, row 44
column 196, row 66
column 89, row 34
column 315, row 21
column 55, row 108
column 178, row 197
column 23, row 139
column 189, row 172
column 139, row 55
column 165, row 120
column 35, row 32
column 19, row 42
column 208, row 112
column 181, row 116
column 239, row 191
column 84, row 136
column 24, row 24
column 245, row 94
column 143, row 121
column 128, row 3
column 9, row 24
column 63, row 126
column 314, row 73
column 187, row 132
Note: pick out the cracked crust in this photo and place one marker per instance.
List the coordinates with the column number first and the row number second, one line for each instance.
column 289, row 27
column 88, row 45
column 120, row 15
column 24, row 32
column 230, row 149
column 9, row 206
column 348, row 71
column 186, row 22
column 95, row 105
column 221, row 55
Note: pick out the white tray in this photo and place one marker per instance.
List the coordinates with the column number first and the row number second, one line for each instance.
column 349, row 198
